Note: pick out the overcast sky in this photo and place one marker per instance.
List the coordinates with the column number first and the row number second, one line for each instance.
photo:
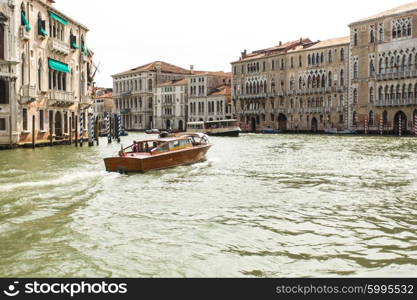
column 207, row 34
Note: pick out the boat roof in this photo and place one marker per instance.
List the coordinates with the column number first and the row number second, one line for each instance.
column 222, row 121
column 171, row 138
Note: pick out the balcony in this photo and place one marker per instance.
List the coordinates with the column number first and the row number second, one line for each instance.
column 59, row 46
column 340, row 109
column 23, row 34
column 396, row 102
column 400, row 74
column 85, row 58
column 281, row 94
column 125, row 111
column 28, row 94
column 327, row 110
column 61, row 98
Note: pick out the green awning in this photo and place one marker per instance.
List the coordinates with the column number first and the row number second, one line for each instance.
column 84, row 49
column 58, row 66
column 74, row 45
column 25, row 21
column 58, row 18
column 43, row 32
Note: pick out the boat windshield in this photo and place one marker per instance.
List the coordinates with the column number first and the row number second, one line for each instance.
column 174, row 145
column 221, row 124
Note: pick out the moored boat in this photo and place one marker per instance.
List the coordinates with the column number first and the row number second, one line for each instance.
column 270, row 131
column 336, row 131
column 160, row 153
column 229, row 128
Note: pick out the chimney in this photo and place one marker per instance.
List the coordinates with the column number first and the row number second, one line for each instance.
column 301, row 40
column 280, row 43
column 192, row 69
column 244, row 53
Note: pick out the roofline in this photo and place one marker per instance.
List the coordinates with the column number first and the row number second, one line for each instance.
column 382, row 17
column 51, row 8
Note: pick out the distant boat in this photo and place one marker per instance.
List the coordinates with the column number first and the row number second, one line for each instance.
column 153, row 131
column 270, row 131
column 336, row 131
column 229, row 128
column 159, row 153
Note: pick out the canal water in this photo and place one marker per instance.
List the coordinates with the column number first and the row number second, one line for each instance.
column 260, row 206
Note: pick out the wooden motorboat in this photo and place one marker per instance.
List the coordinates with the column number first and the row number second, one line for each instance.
column 160, row 153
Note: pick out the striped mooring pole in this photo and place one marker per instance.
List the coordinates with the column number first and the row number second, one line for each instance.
column 117, row 127
column 415, row 124
column 81, row 128
column 90, row 130
column 366, row 125
column 108, row 128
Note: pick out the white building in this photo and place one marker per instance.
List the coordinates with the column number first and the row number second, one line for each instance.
column 171, row 105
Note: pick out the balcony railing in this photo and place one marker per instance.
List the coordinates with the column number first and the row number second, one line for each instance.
column 23, row 33
column 396, row 102
column 125, row 111
column 340, row 109
column 61, row 98
column 59, row 46
column 28, row 93
column 394, row 75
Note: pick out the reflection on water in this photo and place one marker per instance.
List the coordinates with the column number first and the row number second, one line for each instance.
column 275, row 206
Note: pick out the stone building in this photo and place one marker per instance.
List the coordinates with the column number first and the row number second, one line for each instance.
column 133, row 92
column 383, row 89
column 49, row 81
column 102, row 103
column 171, row 105
column 209, row 96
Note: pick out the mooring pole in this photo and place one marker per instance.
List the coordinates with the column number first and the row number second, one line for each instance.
column 76, row 131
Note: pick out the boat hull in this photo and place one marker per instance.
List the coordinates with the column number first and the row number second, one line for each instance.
column 233, row 133
column 156, row 162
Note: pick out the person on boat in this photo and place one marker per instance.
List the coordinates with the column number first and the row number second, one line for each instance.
column 135, row 147
column 146, row 147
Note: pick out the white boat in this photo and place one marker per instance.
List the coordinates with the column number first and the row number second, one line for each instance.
column 216, row 128
column 336, row 131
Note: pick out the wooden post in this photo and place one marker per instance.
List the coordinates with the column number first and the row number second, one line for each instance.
column 51, row 122
column 400, row 129
column 33, row 131
column 11, row 132
column 76, row 131
column 70, row 130
column 366, row 125
column 415, row 125
column 109, row 132
column 97, row 131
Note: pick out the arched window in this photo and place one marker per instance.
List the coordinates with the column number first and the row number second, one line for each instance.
column 313, row 62
column 355, row 70
column 410, row 91
column 342, row 77
column 355, row 39
column 355, row 96
column 309, row 82
column 150, row 87
column 392, row 92
column 40, row 74
column 4, row 92
column 371, row 68
column 309, row 60
column 381, row 33
column 371, row 118
column 330, row 79
column 404, row 91
column 322, row 58
column 22, row 69
column 323, row 81
column 371, row 36
column 354, row 119
column 380, row 93
column 371, row 95
column 381, row 66
column 330, row 56
column 342, row 54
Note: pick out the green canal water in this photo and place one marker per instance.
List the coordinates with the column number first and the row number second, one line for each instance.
column 260, row 206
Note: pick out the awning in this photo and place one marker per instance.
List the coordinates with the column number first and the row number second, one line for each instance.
column 43, row 32
column 58, row 66
column 25, row 21
column 74, row 45
column 84, row 49
column 58, row 18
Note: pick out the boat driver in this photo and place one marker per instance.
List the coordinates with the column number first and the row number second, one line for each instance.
column 135, row 147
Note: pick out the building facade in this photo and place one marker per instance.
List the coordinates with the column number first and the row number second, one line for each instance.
column 52, row 67
column 134, row 92
column 209, row 97
column 171, row 105
column 383, row 89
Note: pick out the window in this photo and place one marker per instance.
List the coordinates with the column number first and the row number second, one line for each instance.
column 355, row 39
column 342, row 54
column 355, row 70
column 300, row 61
column 330, row 56
column 2, row 124
column 371, row 95
column 292, row 62
column 381, row 32
column 40, row 74
column 342, row 77
column 371, row 118
column 2, row 42
column 150, row 85
column 355, row 96
column 25, row 119
column 22, row 69
column 355, row 119
column 371, row 68
column 4, row 92
column 330, row 79
column 371, row 36
column 401, row 28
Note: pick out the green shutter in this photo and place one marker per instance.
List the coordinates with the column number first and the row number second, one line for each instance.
column 58, row 66
column 43, row 32
column 58, row 18
column 25, row 21
column 74, row 45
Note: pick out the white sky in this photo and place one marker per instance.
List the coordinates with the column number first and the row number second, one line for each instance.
column 207, row 34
